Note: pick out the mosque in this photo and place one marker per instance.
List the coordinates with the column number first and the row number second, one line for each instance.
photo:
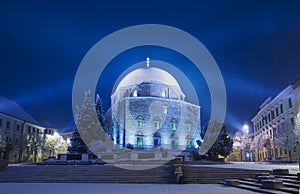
column 149, row 111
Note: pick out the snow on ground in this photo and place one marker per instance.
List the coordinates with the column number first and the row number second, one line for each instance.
column 293, row 167
column 86, row 188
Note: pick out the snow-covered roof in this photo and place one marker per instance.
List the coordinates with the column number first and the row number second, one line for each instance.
column 11, row 108
column 149, row 74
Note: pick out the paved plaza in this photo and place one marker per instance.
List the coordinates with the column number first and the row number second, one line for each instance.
column 84, row 188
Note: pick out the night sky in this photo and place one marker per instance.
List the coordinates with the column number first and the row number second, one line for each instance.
column 256, row 45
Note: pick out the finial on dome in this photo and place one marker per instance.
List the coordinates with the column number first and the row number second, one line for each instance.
column 148, row 61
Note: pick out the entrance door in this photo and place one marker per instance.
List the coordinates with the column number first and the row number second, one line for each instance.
column 156, row 142
column 139, row 141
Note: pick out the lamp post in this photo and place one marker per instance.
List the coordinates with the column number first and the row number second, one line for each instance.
column 245, row 131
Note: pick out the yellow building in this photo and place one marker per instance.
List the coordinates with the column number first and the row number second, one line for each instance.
column 21, row 133
column 274, row 125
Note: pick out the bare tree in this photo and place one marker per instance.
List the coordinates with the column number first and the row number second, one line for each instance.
column 240, row 142
column 258, row 144
column 54, row 144
column 297, row 131
column 2, row 147
column 286, row 137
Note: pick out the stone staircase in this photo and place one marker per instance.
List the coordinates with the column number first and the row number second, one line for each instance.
column 213, row 175
column 85, row 174
column 276, row 183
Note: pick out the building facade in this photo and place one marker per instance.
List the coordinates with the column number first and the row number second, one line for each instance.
column 149, row 111
column 21, row 132
column 274, row 125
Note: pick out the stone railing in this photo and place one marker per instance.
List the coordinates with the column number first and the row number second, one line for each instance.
column 178, row 170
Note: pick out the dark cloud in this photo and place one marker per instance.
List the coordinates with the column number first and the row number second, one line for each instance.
column 42, row 44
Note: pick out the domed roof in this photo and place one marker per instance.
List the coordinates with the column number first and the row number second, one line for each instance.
column 149, row 74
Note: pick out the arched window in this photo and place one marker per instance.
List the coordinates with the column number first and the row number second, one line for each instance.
column 135, row 93
column 189, row 143
column 156, row 123
column 174, row 124
column 165, row 110
column 188, row 125
column 163, row 94
column 139, row 139
column 118, row 139
column 139, row 121
column 156, row 139
column 174, row 141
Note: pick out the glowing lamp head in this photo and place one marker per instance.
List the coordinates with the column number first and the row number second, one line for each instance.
column 246, row 128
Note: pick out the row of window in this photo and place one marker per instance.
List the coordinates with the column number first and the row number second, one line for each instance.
column 270, row 132
column 157, row 125
column 271, row 115
column 17, row 127
column 157, row 142
column 9, row 140
column 279, row 152
column 7, row 124
column 136, row 93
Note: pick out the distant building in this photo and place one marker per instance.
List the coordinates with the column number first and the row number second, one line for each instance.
column 20, row 131
column 273, row 137
column 149, row 111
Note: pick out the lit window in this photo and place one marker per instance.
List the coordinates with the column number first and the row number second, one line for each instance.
column 174, row 126
column 189, row 144
column 135, row 93
column 188, row 127
column 140, row 123
column 163, row 94
column 165, row 110
column 139, row 141
column 156, row 124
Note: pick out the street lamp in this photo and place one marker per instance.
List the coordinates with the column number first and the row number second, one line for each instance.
column 246, row 129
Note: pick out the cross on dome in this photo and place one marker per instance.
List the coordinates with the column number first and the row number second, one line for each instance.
column 148, row 61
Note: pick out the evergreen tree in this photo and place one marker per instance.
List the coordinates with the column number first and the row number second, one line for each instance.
column 100, row 113
column 77, row 144
column 209, row 135
column 88, row 135
column 88, row 124
column 222, row 146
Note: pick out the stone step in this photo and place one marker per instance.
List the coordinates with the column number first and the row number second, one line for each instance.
column 215, row 175
column 255, row 188
column 86, row 173
column 255, row 183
